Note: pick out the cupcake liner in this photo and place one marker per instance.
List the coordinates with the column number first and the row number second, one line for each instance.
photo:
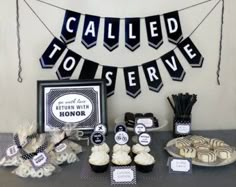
column 144, row 168
column 99, row 169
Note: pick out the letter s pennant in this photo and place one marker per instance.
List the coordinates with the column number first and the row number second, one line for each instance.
column 109, row 74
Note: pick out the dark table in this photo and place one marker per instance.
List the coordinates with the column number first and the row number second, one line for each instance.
column 75, row 174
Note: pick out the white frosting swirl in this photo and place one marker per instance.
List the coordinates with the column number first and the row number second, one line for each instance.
column 121, row 158
column 124, row 148
column 99, row 158
column 144, row 159
column 140, row 148
column 104, row 147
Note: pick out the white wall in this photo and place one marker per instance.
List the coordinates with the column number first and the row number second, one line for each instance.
column 216, row 106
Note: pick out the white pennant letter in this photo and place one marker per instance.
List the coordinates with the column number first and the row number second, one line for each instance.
column 109, row 31
column 173, row 64
column 108, row 74
column 66, row 62
column 56, row 48
column 189, row 51
column 172, row 28
column 131, row 36
column 68, row 24
column 90, row 29
column 153, row 28
column 152, row 74
column 131, row 79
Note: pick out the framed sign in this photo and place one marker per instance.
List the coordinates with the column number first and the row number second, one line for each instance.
column 77, row 103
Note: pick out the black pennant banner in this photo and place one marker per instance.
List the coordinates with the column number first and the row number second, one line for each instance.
column 52, row 53
column 68, row 65
column 132, row 82
column 88, row 70
column 191, row 53
column 173, row 66
column 132, row 41
column 109, row 74
column 173, row 27
column 111, row 33
column 154, row 33
column 153, row 76
column 70, row 26
column 132, row 33
column 90, row 31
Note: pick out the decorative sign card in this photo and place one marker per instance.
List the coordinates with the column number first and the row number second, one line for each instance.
column 76, row 103
column 146, row 121
column 123, row 175
column 182, row 128
column 180, row 165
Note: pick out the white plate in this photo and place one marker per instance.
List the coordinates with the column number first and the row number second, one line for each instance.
column 162, row 123
column 195, row 161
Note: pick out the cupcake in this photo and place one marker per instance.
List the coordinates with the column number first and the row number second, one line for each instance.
column 144, row 162
column 121, row 158
column 99, row 161
column 137, row 148
column 104, row 147
column 123, row 148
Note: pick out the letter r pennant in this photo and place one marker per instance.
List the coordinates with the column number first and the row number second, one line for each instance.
column 153, row 76
column 132, row 82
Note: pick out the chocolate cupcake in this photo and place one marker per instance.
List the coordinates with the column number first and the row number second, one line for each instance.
column 99, row 161
column 144, row 162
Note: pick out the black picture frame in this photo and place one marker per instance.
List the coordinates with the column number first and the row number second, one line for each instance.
column 80, row 103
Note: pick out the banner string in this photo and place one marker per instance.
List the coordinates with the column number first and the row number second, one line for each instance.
column 19, row 78
column 120, row 67
column 221, row 41
column 185, row 8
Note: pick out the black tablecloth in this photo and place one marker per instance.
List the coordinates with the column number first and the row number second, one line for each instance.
column 79, row 174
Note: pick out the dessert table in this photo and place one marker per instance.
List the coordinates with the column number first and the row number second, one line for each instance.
column 79, row 174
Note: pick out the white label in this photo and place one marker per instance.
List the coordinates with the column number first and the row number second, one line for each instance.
column 121, row 137
column 61, row 147
column 139, row 128
column 147, row 122
column 123, row 175
column 144, row 139
column 180, row 165
column 72, row 108
column 100, row 128
column 182, row 129
column 39, row 160
column 11, row 151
